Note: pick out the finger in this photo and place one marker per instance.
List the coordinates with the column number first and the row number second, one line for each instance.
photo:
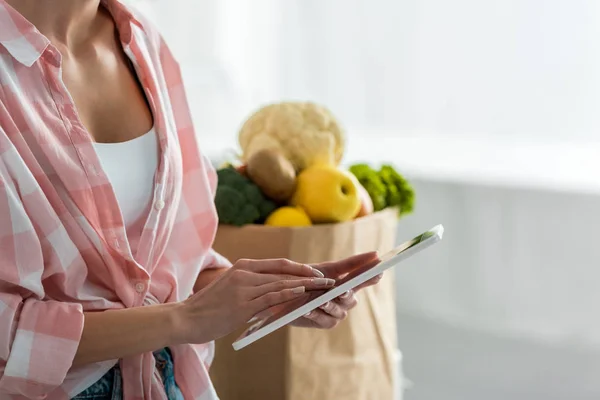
column 244, row 277
column 348, row 300
column 321, row 319
column 263, row 278
column 277, row 286
column 337, row 268
column 334, row 310
column 282, row 266
column 274, row 298
column 262, row 315
column 370, row 282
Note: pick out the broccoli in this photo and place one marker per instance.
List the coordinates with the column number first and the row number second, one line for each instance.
column 371, row 181
column 386, row 187
column 400, row 192
column 238, row 200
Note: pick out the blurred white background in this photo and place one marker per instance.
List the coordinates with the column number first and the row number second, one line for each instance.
column 491, row 109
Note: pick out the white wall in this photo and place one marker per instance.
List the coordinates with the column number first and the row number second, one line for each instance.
column 511, row 68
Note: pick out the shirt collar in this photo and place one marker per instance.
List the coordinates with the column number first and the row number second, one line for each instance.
column 19, row 37
column 26, row 44
column 123, row 18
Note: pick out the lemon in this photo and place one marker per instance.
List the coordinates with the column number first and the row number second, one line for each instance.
column 288, row 216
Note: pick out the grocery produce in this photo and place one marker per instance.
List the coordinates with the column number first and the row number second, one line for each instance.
column 370, row 180
column 366, row 204
column 238, row 200
column 328, row 194
column 386, row 187
column 272, row 173
column 288, row 173
column 288, row 216
column 399, row 192
column 241, row 169
column 304, row 132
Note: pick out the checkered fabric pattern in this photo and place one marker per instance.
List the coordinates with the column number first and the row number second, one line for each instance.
column 63, row 245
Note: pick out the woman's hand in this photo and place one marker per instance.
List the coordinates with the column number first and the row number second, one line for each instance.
column 332, row 313
column 244, row 290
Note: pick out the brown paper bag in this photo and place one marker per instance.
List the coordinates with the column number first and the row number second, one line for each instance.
column 354, row 361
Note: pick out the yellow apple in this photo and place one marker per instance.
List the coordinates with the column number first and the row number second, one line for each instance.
column 328, row 194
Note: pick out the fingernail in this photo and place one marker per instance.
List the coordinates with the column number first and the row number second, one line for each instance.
column 346, row 295
column 324, row 281
column 317, row 273
column 251, row 320
column 298, row 290
column 325, row 306
column 308, row 314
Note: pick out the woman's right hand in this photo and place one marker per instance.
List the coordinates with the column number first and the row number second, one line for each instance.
column 244, row 290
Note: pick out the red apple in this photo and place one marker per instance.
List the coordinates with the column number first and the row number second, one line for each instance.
column 366, row 204
column 241, row 169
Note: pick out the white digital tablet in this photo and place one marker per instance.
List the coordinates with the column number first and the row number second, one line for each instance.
column 295, row 309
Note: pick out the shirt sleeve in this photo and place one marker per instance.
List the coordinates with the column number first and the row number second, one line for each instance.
column 215, row 260
column 38, row 338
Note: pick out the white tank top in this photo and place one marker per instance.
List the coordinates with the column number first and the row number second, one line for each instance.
column 130, row 167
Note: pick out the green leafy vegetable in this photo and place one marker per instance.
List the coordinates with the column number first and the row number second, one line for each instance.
column 400, row 193
column 386, row 187
column 371, row 181
column 238, row 200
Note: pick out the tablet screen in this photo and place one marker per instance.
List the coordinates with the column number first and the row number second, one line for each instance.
column 283, row 309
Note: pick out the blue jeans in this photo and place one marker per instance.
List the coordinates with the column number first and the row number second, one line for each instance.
column 110, row 386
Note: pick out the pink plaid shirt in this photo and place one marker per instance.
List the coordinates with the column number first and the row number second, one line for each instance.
column 63, row 245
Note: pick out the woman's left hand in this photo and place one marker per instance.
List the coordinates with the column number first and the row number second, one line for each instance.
column 332, row 313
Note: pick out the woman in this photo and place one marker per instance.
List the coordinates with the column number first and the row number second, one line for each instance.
column 109, row 287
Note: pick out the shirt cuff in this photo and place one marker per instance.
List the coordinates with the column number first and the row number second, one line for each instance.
column 215, row 260
column 43, row 349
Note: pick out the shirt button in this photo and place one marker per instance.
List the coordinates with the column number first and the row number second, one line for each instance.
column 160, row 204
column 140, row 287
